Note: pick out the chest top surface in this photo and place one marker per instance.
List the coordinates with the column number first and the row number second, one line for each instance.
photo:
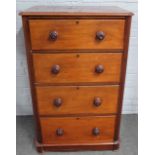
column 76, row 11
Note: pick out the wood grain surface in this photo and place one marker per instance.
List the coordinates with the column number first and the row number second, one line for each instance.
column 76, row 68
column 70, row 65
column 66, row 11
column 77, row 100
column 77, row 34
column 78, row 129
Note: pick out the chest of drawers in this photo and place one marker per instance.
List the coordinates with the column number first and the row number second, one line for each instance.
column 77, row 60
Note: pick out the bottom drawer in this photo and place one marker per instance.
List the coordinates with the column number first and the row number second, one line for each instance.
column 73, row 130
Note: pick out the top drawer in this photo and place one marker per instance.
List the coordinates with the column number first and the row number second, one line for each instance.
column 77, row 34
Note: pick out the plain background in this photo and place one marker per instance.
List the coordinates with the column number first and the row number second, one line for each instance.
column 23, row 91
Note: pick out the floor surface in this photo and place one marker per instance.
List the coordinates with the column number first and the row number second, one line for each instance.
column 129, row 142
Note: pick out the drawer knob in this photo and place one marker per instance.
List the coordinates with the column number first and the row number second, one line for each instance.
column 55, row 69
column 96, row 131
column 97, row 101
column 57, row 102
column 99, row 69
column 53, row 35
column 100, row 35
column 59, row 132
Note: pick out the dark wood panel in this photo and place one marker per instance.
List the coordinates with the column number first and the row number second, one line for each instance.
column 77, row 147
column 31, row 78
column 123, row 75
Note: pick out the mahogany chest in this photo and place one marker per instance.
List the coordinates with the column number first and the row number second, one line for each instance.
column 77, row 60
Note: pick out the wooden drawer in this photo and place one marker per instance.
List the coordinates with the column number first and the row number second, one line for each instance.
column 77, row 60
column 77, row 100
column 77, row 34
column 69, row 130
column 77, row 68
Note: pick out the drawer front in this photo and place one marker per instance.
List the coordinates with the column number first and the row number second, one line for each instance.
column 77, row 100
column 77, row 34
column 69, row 130
column 77, row 68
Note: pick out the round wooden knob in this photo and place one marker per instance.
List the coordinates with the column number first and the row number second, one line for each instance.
column 99, row 69
column 57, row 102
column 97, row 101
column 96, row 131
column 100, row 35
column 59, row 132
column 53, row 35
column 55, row 69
